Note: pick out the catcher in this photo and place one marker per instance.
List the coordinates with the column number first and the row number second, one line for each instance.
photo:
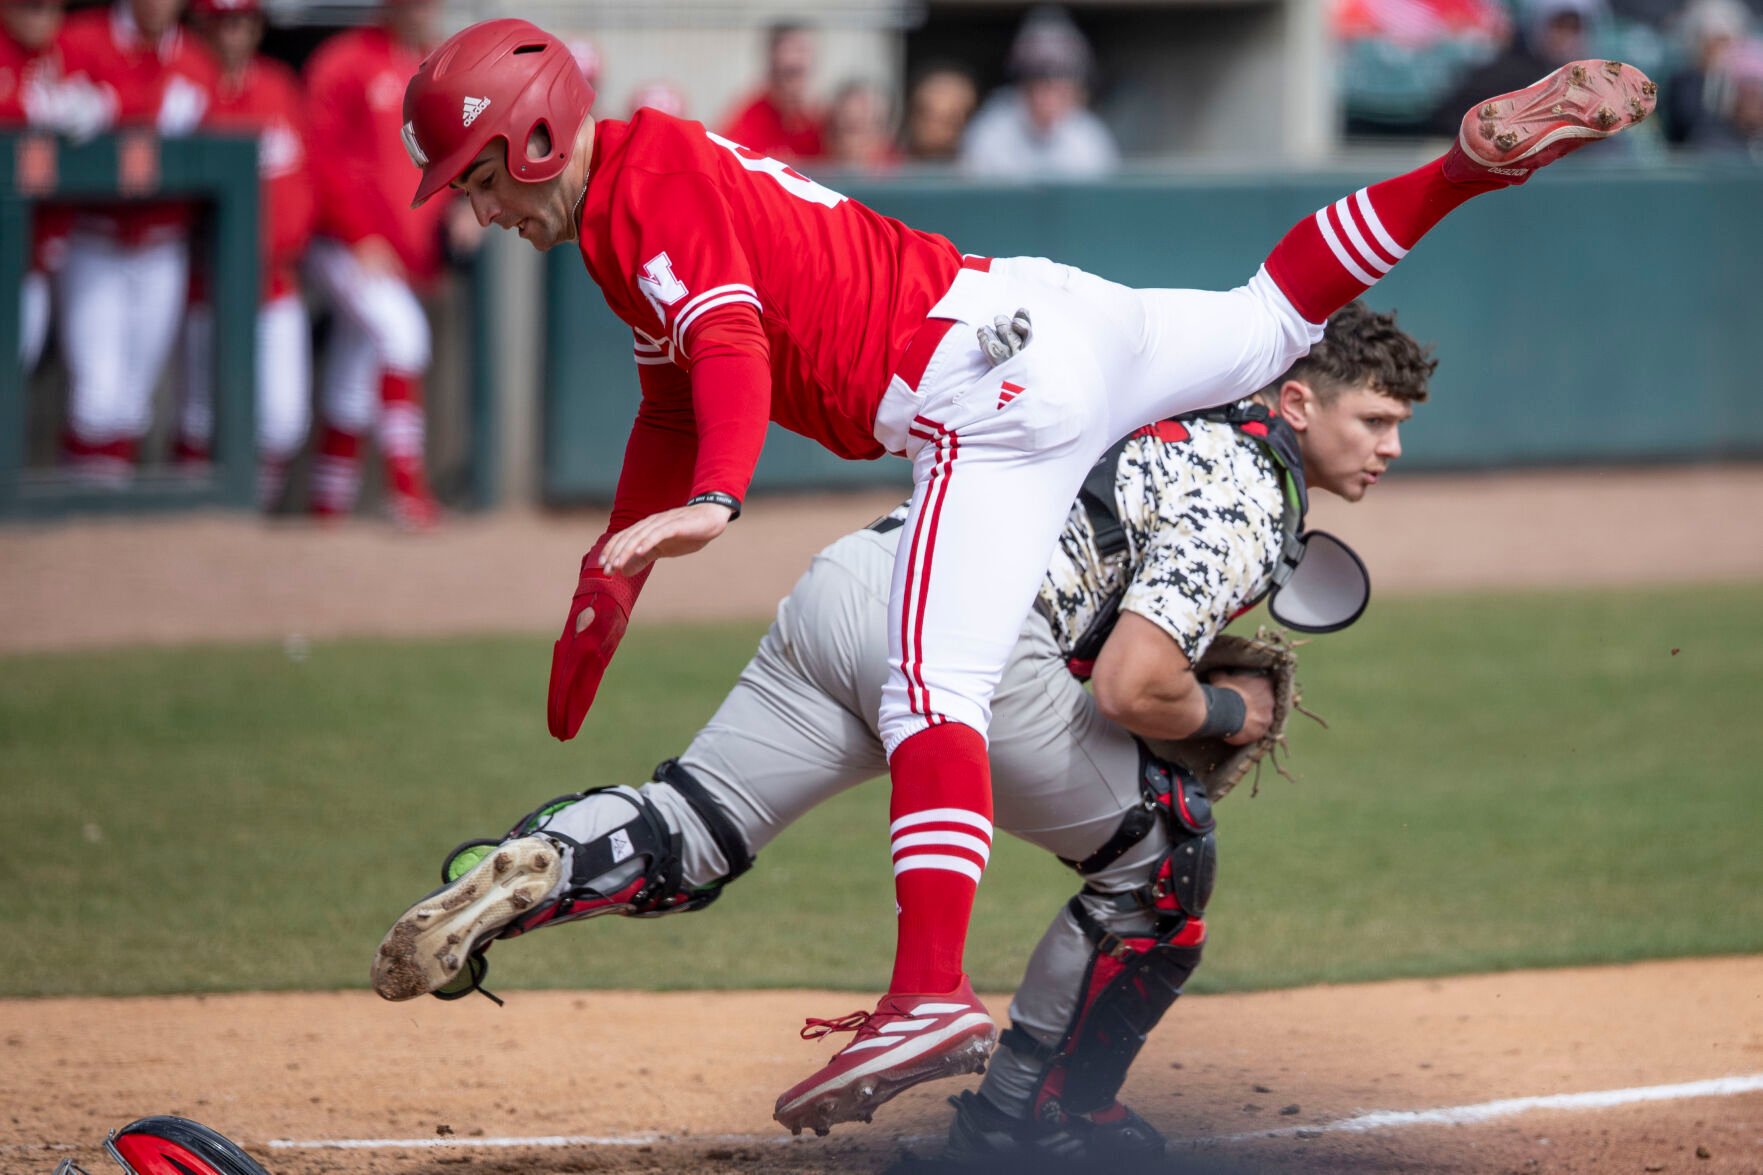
column 1182, row 526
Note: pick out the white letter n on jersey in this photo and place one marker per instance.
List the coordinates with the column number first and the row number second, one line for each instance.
column 660, row 286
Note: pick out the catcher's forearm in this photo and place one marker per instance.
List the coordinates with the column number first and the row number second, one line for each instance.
column 1174, row 707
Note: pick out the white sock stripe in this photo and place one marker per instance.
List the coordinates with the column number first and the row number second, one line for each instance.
column 959, row 840
column 959, row 865
column 1366, row 253
column 1363, row 199
column 942, row 816
column 652, row 360
column 1340, row 252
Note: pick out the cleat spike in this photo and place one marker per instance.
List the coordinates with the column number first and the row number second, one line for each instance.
column 1578, row 76
column 1491, row 110
column 1506, row 141
column 1613, row 68
column 1604, row 118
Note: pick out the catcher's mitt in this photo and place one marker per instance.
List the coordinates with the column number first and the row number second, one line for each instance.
column 1215, row 762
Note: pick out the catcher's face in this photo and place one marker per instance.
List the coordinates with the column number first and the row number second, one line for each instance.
column 1349, row 440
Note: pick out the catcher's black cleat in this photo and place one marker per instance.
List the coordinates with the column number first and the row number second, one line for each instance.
column 985, row 1138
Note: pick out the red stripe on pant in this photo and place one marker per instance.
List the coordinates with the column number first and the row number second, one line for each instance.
column 918, row 576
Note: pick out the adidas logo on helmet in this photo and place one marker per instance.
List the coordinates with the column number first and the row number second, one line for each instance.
column 475, row 107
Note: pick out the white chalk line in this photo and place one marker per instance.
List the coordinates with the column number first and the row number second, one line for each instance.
column 1507, row 1107
column 1358, row 1124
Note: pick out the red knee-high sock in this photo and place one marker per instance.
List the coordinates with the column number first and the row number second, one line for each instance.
column 1327, row 260
column 402, row 434
column 336, row 472
column 941, row 815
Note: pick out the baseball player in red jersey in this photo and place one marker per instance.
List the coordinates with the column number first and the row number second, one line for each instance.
column 31, row 89
column 257, row 96
column 1179, row 528
column 371, row 256
column 755, row 294
column 122, row 289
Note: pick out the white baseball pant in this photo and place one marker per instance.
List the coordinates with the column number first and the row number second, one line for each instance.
column 999, row 453
column 33, row 318
column 120, row 308
column 379, row 325
column 284, row 376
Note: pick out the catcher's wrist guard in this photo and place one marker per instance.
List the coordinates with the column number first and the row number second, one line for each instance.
column 1226, row 711
column 1210, row 759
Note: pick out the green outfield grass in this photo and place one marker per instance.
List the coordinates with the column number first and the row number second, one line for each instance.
column 1506, row 781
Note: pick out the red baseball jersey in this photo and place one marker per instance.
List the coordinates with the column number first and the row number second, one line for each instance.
column 24, row 72
column 266, row 101
column 760, row 125
column 360, row 171
column 25, row 77
column 754, row 293
column 164, row 87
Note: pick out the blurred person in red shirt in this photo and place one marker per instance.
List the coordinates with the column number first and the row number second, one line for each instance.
column 35, row 95
column 121, row 290
column 860, row 129
column 780, row 121
column 941, row 102
column 372, row 256
column 257, row 96
column 1417, row 24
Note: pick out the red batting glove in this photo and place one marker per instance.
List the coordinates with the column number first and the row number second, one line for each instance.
column 579, row 658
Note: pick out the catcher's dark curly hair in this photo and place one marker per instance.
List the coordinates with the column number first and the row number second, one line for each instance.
column 1361, row 346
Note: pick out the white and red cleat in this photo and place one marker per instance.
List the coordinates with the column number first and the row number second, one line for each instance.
column 907, row 1040
column 1506, row 139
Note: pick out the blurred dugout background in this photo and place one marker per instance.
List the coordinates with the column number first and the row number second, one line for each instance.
column 1606, row 313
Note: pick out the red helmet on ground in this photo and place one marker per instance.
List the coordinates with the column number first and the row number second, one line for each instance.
column 165, row 1145
column 502, row 79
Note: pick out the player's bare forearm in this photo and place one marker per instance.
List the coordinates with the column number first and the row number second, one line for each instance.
column 1144, row 682
column 666, row 535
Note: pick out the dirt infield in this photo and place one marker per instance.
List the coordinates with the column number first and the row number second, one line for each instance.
column 621, row 1081
column 629, row 1082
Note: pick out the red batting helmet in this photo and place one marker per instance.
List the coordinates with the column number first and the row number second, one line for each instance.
column 502, row 79
column 172, row 1146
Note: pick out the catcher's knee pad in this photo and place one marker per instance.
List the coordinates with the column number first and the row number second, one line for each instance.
column 1172, row 798
column 629, row 863
column 1129, row 983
